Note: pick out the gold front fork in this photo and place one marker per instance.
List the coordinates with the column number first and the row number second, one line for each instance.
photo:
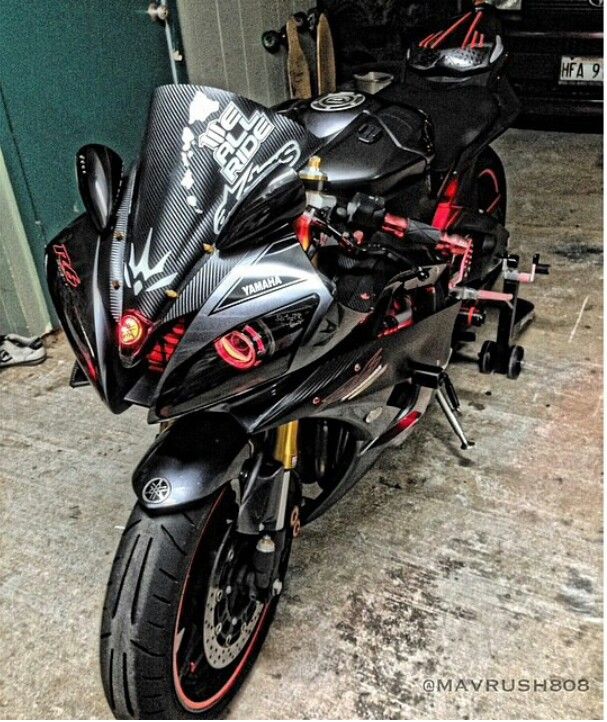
column 286, row 453
column 286, row 444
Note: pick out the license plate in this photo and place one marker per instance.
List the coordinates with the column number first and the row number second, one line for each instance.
column 581, row 70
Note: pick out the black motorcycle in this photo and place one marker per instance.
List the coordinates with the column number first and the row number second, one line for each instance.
column 283, row 290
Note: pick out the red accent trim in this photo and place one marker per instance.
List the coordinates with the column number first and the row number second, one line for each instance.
column 496, row 185
column 457, row 246
column 64, row 263
column 446, row 215
column 494, row 296
column 451, row 190
column 395, row 225
column 493, row 175
column 92, row 369
column 185, row 701
column 426, row 41
column 447, row 212
column 408, row 421
column 494, row 205
column 471, row 312
column 405, row 423
column 450, row 30
column 303, row 230
column 218, row 696
column 471, row 30
column 391, row 331
column 165, row 347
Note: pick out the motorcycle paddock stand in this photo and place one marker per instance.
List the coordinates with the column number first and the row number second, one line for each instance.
column 504, row 356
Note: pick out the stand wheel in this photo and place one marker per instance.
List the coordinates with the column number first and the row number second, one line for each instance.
column 486, row 358
column 515, row 362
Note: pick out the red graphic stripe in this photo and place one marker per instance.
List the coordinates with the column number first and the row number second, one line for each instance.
column 471, row 31
column 450, row 30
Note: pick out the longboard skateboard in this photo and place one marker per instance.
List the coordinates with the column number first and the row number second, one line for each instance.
column 325, row 57
column 298, row 69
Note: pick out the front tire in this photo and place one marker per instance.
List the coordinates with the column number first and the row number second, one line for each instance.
column 174, row 644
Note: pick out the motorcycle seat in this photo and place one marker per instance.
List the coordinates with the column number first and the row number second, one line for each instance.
column 460, row 114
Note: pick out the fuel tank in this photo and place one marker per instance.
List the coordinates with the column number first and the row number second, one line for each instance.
column 368, row 146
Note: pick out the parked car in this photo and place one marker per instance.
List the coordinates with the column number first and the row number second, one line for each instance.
column 556, row 55
column 555, row 46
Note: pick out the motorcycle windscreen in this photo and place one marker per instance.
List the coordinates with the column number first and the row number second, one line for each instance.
column 205, row 151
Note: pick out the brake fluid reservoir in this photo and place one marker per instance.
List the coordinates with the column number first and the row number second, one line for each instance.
column 312, row 176
column 314, row 180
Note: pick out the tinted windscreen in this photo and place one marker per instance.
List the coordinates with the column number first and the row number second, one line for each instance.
column 204, row 150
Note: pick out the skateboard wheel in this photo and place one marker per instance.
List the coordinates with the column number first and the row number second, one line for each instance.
column 301, row 20
column 271, row 41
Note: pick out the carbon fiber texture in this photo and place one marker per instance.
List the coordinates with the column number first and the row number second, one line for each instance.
column 118, row 245
column 203, row 283
column 203, row 151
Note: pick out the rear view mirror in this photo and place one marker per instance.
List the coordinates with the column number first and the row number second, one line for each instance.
column 99, row 172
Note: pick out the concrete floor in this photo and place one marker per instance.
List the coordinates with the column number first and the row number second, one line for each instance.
column 440, row 565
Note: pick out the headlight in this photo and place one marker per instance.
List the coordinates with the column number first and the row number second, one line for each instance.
column 250, row 354
column 508, row 5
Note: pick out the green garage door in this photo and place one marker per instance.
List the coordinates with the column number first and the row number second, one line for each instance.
column 71, row 72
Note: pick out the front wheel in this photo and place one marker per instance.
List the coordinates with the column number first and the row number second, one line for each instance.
column 181, row 623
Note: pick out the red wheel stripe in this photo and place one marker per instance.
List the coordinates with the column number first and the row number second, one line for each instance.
column 218, row 696
column 206, row 704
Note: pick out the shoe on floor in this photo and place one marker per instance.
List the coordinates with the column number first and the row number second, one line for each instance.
column 18, row 350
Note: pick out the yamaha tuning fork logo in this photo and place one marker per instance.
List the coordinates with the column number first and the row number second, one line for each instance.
column 156, row 490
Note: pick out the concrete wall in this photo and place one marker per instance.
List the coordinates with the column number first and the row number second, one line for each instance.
column 222, row 42
column 22, row 306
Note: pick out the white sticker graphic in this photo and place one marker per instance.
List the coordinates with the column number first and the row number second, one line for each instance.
column 137, row 272
column 287, row 155
column 334, row 102
column 201, row 108
column 235, row 140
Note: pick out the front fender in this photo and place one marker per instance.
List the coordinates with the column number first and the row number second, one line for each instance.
column 196, row 455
